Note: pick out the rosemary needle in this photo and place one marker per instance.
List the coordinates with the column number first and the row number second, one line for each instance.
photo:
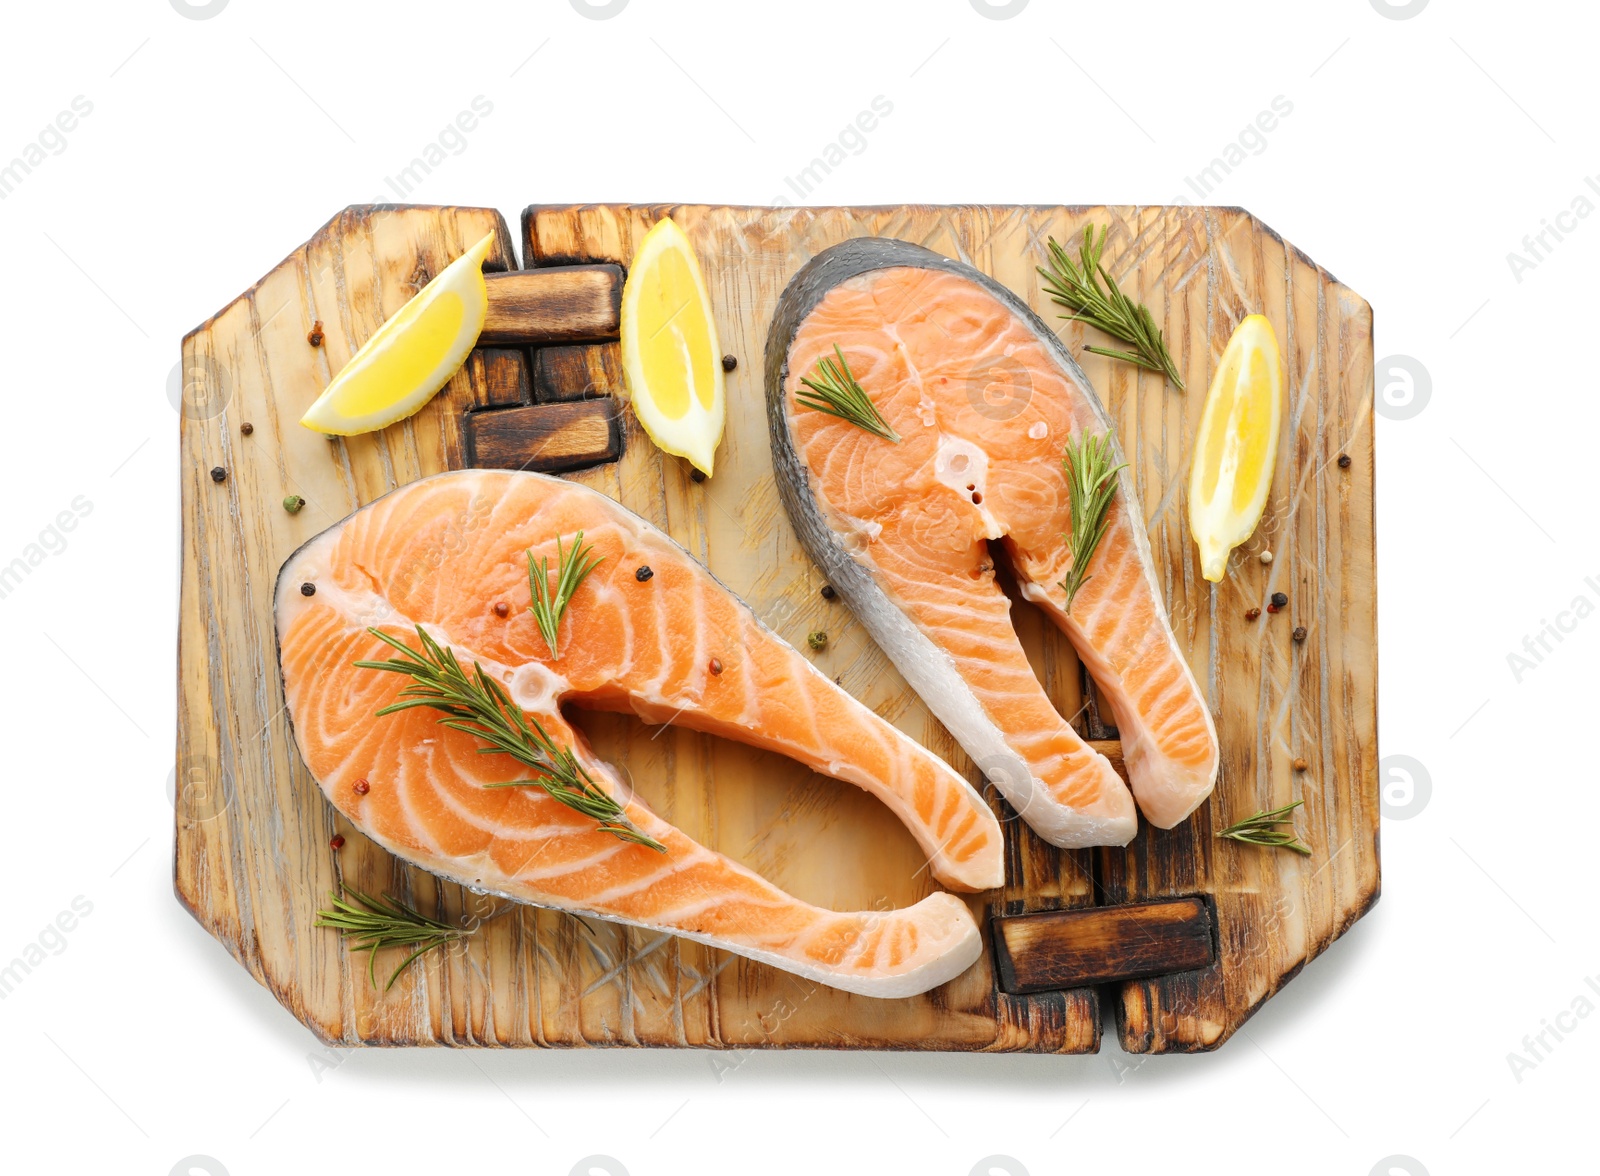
column 1262, row 829
column 478, row 705
column 370, row 924
column 570, row 573
column 836, row 392
column 1091, row 484
column 1079, row 288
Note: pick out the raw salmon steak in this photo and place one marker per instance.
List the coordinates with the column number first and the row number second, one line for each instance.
column 983, row 396
column 674, row 646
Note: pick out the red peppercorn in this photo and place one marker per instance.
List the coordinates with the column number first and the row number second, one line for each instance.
column 362, row 787
column 716, row 665
column 501, row 608
column 314, row 336
column 338, row 841
column 1252, row 614
column 1272, row 608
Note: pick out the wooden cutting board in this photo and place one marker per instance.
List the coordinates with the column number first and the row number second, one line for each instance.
column 253, row 860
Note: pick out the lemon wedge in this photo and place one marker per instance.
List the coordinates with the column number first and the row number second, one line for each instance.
column 412, row 355
column 670, row 354
column 1237, row 447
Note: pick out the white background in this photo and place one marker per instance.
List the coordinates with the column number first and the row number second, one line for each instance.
column 1418, row 154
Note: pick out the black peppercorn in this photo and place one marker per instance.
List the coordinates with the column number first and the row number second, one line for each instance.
column 697, row 476
column 308, row 589
column 827, row 592
column 1299, row 632
column 729, row 363
column 1279, row 599
column 1344, row 461
column 643, row 574
column 218, row 474
column 247, row 428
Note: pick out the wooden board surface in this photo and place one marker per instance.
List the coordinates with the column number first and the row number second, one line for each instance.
column 252, row 855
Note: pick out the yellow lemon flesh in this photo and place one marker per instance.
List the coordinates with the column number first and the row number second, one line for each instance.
column 411, row 356
column 670, row 353
column 1237, row 446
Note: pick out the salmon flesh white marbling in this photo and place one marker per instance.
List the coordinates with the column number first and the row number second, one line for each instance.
column 984, row 396
column 440, row 553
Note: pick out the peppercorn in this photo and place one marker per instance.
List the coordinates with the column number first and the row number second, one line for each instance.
column 1266, row 557
column 362, row 787
column 308, row 589
column 1299, row 632
column 218, row 474
column 729, row 362
column 817, row 639
column 501, row 608
column 1300, row 765
column 716, row 665
column 643, row 574
column 247, row 428
column 827, row 592
column 1344, row 461
column 1279, row 599
column 315, row 336
column 697, row 475
column 338, row 841
column 293, row 503
column 1252, row 614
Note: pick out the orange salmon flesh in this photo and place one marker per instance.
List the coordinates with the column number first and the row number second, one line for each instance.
column 439, row 553
column 984, row 400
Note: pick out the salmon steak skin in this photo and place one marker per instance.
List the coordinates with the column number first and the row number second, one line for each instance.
column 983, row 396
column 449, row 556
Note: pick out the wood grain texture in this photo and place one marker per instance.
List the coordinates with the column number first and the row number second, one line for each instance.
column 500, row 376
column 1066, row 949
column 568, row 304
column 577, row 373
column 252, row 856
column 549, row 438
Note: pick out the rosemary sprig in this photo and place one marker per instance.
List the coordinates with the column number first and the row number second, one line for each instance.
column 478, row 705
column 1262, row 829
column 1079, row 289
column 837, row 393
column 369, row 924
column 1091, row 483
column 570, row 573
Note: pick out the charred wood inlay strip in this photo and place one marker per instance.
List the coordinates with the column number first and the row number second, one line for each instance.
column 559, row 304
column 549, row 438
column 1098, row 945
